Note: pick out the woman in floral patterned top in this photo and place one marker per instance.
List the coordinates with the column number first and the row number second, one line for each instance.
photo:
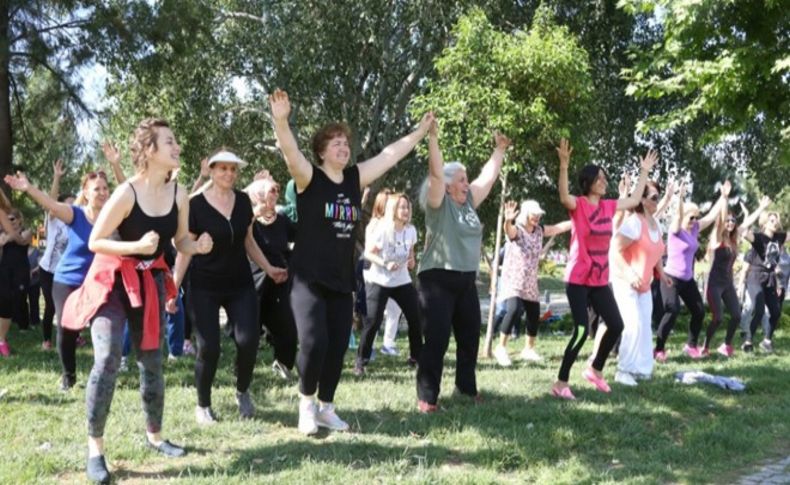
column 519, row 289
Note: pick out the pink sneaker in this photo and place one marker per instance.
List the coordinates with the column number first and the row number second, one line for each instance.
column 660, row 355
column 46, row 345
column 564, row 393
column 692, row 352
column 5, row 350
column 598, row 382
column 725, row 350
column 705, row 352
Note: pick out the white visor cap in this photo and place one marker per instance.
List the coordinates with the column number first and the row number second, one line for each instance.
column 227, row 157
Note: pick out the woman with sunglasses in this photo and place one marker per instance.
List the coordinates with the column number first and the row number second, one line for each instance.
column 682, row 245
column 10, row 239
column 73, row 265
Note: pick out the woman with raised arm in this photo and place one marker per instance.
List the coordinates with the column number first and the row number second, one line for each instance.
column 636, row 256
column 720, row 287
column 10, row 238
column 519, row 287
column 76, row 259
column 129, row 280
column 448, row 269
column 682, row 245
column 329, row 207
column 587, row 273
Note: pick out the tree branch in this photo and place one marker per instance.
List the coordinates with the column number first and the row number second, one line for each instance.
column 71, row 91
column 67, row 25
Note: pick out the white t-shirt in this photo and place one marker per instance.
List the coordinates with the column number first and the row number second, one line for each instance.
column 57, row 240
column 394, row 249
column 632, row 229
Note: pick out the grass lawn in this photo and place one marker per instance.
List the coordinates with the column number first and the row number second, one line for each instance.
column 658, row 432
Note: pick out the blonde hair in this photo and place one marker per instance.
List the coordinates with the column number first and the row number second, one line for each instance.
column 766, row 215
column 257, row 189
column 390, row 212
column 144, row 137
column 82, row 199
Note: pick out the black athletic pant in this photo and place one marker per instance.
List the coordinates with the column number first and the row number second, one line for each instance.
column 45, row 277
column 719, row 296
column 241, row 306
column 671, row 295
column 658, row 302
column 517, row 307
column 449, row 302
column 601, row 299
column 188, row 316
column 408, row 301
column 323, row 323
column 762, row 296
column 278, row 320
column 67, row 339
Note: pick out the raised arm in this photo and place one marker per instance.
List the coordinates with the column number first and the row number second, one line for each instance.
column 677, row 222
column 715, row 211
column 511, row 212
column 300, row 169
column 746, row 226
column 647, row 164
column 622, row 192
column 202, row 175
column 436, row 186
column 377, row 166
column 559, row 228
column 62, row 211
column 564, row 153
column 481, row 186
column 57, row 174
column 663, row 204
column 113, row 156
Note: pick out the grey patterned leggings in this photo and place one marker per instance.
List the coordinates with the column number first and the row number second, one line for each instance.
column 107, row 335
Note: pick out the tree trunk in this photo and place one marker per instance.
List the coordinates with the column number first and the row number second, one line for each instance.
column 495, row 270
column 6, row 138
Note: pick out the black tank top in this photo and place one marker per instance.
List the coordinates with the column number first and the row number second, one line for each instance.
column 721, row 267
column 138, row 223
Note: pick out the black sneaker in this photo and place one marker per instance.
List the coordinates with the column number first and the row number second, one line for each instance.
column 747, row 346
column 359, row 369
column 167, row 448
column 246, row 407
column 97, row 470
column 67, row 382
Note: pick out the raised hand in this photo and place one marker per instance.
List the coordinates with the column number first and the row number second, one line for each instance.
column 511, row 210
column 624, row 185
column 280, row 105
column 204, row 170
column 649, row 161
column 263, row 175
column 204, row 243
column 426, row 123
column 502, row 142
column 726, row 188
column 111, row 152
column 433, row 129
column 57, row 169
column 670, row 187
column 148, row 243
column 682, row 192
column 17, row 182
column 564, row 151
column 765, row 201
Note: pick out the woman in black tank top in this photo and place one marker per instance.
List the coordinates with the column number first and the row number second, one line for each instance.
column 147, row 211
column 328, row 206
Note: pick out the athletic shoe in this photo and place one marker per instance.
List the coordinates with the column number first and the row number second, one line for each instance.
column 246, row 407
column 81, row 342
column 167, row 448
column 767, row 346
column 171, row 357
column 564, row 393
column 188, row 348
column 205, row 416
column 725, row 350
column 391, row 351
column 327, row 418
column 5, row 350
column 426, row 408
column 530, row 355
column 642, row 377
column 411, row 362
column 692, row 352
column 124, row 365
column 307, row 417
column 625, row 379
column 281, row 371
column 67, row 382
column 97, row 470
column 46, row 345
column 705, row 352
column 660, row 356
column 501, row 356
column 359, row 369
column 598, row 382
column 747, row 346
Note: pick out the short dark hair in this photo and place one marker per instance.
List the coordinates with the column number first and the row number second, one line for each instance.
column 326, row 133
column 650, row 183
column 587, row 176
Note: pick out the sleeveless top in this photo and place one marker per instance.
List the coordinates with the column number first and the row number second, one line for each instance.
column 138, row 223
column 721, row 267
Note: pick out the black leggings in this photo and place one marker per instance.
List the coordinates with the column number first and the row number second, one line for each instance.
column 687, row 291
column 241, row 306
column 67, row 338
column 515, row 308
column 762, row 296
column 278, row 320
column 406, row 298
column 720, row 295
column 323, row 323
column 45, row 277
column 449, row 302
column 601, row 299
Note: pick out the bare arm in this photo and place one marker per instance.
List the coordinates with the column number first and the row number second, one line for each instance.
column 115, row 210
column 254, row 252
column 559, row 228
column 377, row 166
column 183, row 240
column 113, row 156
column 202, row 175
column 715, row 212
column 62, row 211
column 180, row 268
column 648, row 162
column 57, row 174
column 481, row 186
column 663, row 204
column 750, row 219
column 564, row 152
column 300, row 169
column 674, row 227
column 511, row 212
column 622, row 191
column 436, row 187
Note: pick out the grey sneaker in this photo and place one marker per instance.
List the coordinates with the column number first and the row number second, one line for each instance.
column 124, row 366
column 767, row 346
column 246, row 407
column 205, row 416
column 327, row 418
column 281, row 371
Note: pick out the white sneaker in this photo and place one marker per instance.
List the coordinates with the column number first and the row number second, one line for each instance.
column 327, row 418
column 391, row 351
column 124, row 365
column 307, row 417
column 281, row 371
column 625, row 379
column 501, row 356
column 205, row 416
column 530, row 355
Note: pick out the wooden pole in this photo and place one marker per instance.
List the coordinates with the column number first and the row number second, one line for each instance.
column 495, row 270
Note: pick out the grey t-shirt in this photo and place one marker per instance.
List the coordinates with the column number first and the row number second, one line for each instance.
column 453, row 238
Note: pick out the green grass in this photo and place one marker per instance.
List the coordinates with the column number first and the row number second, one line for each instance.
column 659, row 432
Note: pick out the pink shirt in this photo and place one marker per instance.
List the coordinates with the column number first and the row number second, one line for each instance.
column 591, row 234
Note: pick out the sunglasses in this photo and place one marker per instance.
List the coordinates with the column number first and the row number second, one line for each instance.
column 693, row 218
column 731, row 219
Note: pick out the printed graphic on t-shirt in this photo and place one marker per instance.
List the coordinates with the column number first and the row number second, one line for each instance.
column 772, row 254
column 600, row 227
column 344, row 214
column 467, row 216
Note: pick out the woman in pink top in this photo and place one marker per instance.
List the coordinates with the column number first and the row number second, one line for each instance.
column 636, row 253
column 587, row 273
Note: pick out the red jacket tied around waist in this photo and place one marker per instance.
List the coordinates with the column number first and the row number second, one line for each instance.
column 81, row 306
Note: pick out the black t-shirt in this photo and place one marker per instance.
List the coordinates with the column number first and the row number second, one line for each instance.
column 329, row 214
column 767, row 251
column 273, row 240
column 226, row 266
